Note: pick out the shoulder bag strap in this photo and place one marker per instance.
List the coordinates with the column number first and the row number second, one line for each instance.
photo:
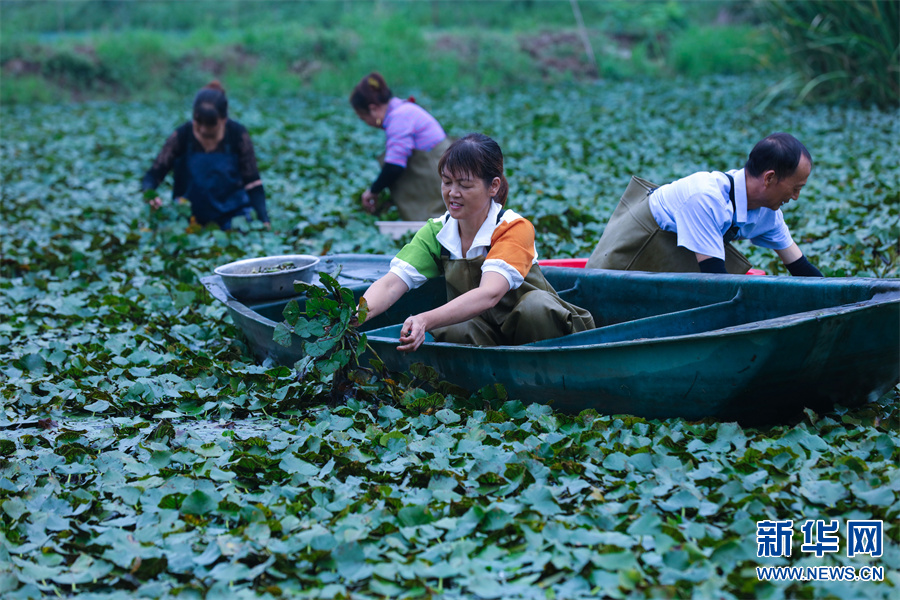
column 733, row 230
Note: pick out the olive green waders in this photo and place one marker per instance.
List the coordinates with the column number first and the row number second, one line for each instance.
column 633, row 241
column 417, row 192
column 529, row 313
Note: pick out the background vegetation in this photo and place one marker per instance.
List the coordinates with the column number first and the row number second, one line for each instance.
column 840, row 49
column 81, row 49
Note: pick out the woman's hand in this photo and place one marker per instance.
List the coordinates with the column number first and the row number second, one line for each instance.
column 462, row 308
column 368, row 201
column 155, row 203
column 412, row 334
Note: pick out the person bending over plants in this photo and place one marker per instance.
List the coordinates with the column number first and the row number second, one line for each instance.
column 414, row 143
column 687, row 225
column 496, row 293
column 214, row 163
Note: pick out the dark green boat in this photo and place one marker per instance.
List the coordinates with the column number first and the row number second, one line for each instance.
column 666, row 344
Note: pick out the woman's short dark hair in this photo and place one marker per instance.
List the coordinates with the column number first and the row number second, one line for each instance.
column 210, row 104
column 476, row 155
column 779, row 152
column 371, row 89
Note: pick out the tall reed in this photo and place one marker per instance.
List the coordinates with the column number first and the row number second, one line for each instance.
column 839, row 50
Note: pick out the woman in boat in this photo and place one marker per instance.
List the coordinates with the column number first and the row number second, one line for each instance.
column 214, row 163
column 415, row 142
column 496, row 293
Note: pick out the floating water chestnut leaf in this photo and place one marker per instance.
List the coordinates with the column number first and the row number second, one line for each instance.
column 207, row 464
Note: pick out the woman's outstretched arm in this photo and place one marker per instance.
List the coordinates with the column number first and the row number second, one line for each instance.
column 382, row 294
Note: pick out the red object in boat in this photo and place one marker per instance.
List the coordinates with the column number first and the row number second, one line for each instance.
column 575, row 263
column 756, row 272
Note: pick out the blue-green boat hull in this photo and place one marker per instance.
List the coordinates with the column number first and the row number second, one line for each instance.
column 667, row 344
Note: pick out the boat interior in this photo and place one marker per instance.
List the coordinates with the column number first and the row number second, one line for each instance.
column 631, row 306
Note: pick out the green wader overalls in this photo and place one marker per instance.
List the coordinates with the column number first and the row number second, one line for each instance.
column 529, row 313
column 417, row 193
column 633, row 241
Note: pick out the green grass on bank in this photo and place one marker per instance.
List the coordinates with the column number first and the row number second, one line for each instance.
column 64, row 52
column 158, row 50
column 619, row 16
column 840, row 49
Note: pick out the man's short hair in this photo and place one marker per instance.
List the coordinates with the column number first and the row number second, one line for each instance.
column 779, row 152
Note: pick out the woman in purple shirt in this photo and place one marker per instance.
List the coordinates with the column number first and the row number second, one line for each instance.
column 415, row 142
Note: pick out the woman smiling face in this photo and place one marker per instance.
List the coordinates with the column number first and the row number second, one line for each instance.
column 468, row 198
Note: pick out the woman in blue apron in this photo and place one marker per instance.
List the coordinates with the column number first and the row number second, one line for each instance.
column 214, row 164
column 496, row 293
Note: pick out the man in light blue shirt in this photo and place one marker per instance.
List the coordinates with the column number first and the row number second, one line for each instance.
column 703, row 212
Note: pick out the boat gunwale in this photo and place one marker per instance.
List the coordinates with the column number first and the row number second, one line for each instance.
column 786, row 321
column 213, row 284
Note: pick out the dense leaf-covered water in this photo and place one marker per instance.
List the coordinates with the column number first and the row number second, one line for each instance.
column 144, row 453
